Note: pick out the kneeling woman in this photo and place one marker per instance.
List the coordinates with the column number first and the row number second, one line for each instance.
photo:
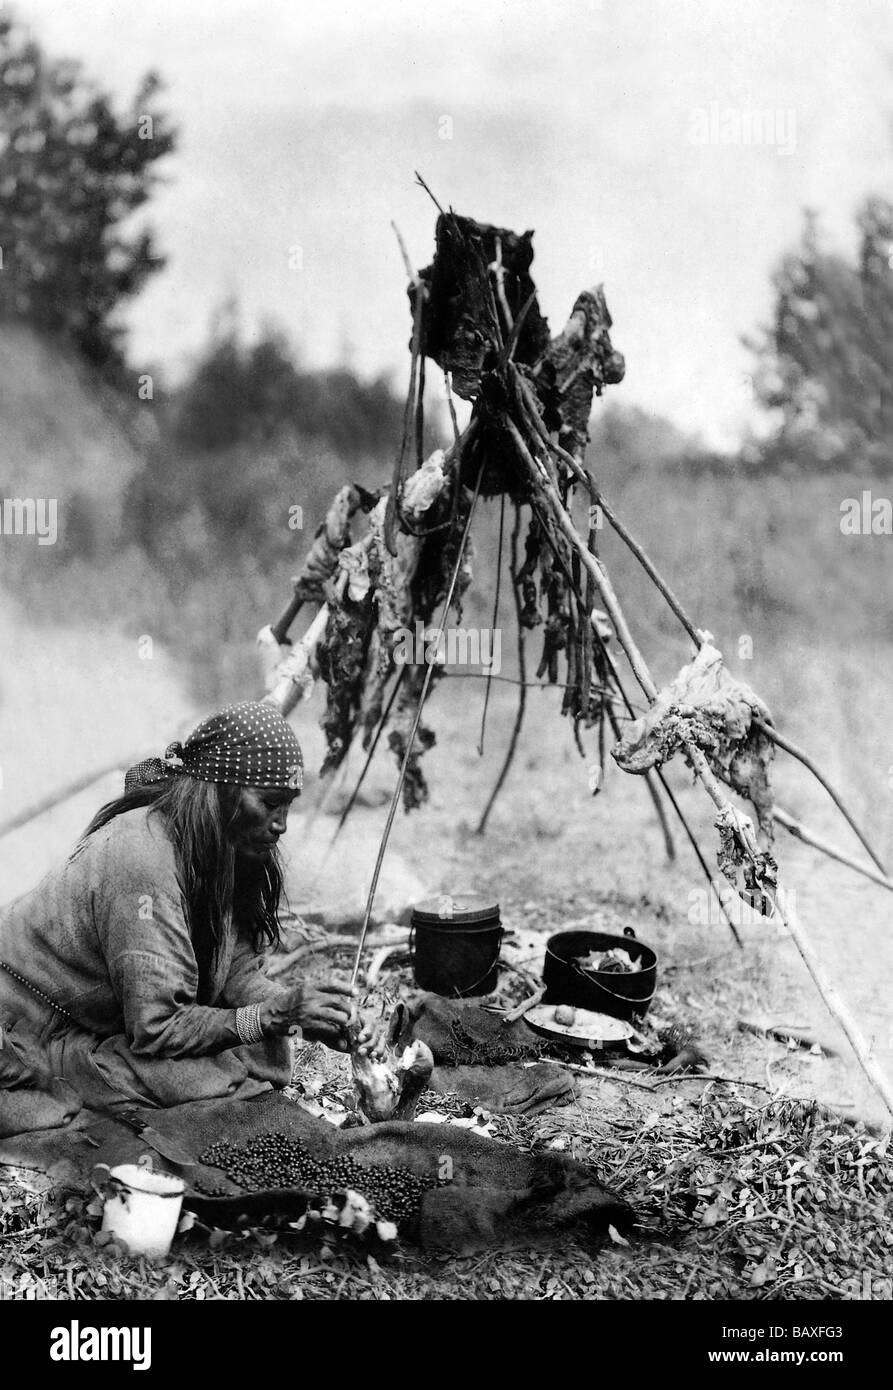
column 137, row 967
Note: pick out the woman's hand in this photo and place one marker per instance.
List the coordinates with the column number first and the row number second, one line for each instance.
column 322, row 1011
column 371, row 1037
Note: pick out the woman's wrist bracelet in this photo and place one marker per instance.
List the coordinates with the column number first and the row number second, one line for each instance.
column 248, row 1024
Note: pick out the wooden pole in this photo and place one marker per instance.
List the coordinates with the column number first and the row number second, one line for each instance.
column 650, row 570
column 522, row 677
column 786, row 914
column 809, row 838
column 55, row 798
column 834, row 1003
column 772, row 733
column 287, row 689
column 769, row 730
column 392, row 810
column 543, row 482
column 74, row 788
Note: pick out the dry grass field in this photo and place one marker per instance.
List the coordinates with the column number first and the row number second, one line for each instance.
column 804, row 615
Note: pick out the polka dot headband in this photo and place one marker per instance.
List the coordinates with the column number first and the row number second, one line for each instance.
column 247, row 745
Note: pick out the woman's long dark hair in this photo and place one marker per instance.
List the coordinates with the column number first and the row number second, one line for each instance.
column 200, row 818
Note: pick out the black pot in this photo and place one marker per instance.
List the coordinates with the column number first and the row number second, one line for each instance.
column 603, row 991
column 454, row 943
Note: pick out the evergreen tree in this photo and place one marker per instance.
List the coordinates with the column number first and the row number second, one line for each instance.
column 72, row 172
column 825, row 367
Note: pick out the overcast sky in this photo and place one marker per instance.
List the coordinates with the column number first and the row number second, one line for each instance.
column 302, row 123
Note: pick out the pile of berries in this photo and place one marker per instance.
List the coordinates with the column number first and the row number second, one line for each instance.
column 275, row 1161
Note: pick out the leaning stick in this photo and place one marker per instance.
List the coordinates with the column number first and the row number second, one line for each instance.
column 495, row 622
column 531, row 410
column 650, row 780
column 525, row 1006
column 809, row 838
column 835, row 1004
column 382, row 956
column 293, row 670
column 407, row 263
column 613, row 666
column 55, row 798
column 370, row 755
column 768, row 730
column 75, row 787
column 322, row 557
column 543, row 482
column 522, row 675
column 390, row 520
column 499, row 271
column 649, row 776
column 282, row 964
column 659, row 775
column 659, row 583
column 392, row 810
column 795, row 752
column 650, row 783
column 786, row 914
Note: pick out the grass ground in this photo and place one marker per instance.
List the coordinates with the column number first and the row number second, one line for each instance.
column 744, row 1188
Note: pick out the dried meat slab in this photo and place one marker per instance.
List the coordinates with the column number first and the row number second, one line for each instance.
column 706, row 706
column 462, row 326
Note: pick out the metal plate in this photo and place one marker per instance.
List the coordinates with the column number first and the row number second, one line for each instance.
column 587, row 1030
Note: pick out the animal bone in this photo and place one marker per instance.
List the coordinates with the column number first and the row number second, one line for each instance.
column 390, row 1079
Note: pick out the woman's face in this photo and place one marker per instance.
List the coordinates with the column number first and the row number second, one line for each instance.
column 261, row 818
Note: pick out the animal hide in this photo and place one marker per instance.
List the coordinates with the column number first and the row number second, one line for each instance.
column 708, row 707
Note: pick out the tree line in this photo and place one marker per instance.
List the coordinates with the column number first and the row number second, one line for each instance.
column 74, row 171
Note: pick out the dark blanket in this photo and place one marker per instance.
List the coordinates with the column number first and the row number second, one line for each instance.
column 496, row 1195
column 486, row 1061
column 517, row 1088
column 462, row 1034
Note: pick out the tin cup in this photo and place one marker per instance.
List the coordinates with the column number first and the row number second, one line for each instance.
column 141, row 1207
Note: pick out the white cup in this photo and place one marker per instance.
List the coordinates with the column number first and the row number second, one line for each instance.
column 141, row 1208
